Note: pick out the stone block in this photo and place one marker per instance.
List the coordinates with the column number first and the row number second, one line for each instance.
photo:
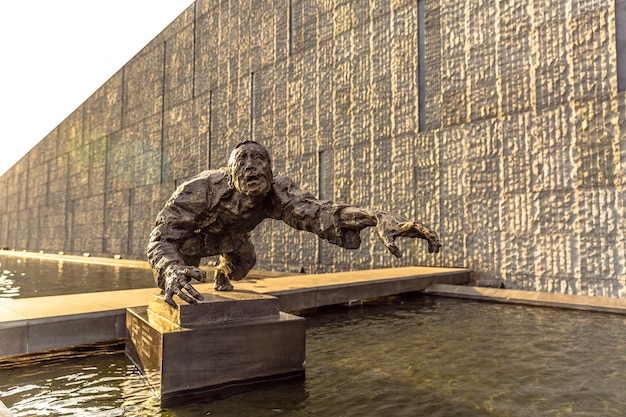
column 235, row 340
column 13, row 338
column 382, row 288
column 4, row 411
column 62, row 331
column 333, row 295
column 298, row 300
column 216, row 308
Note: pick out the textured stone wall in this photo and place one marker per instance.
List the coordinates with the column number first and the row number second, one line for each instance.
column 507, row 140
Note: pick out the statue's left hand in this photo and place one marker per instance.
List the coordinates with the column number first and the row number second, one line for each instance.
column 391, row 226
column 177, row 279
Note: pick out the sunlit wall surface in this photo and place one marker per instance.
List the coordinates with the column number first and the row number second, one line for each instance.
column 500, row 124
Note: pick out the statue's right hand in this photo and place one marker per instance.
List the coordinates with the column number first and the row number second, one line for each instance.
column 177, row 279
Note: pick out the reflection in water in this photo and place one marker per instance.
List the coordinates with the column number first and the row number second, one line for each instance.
column 8, row 287
column 32, row 277
column 408, row 356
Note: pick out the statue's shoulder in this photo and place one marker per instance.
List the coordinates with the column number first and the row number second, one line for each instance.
column 207, row 185
column 283, row 185
column 283, row 181
column 286, row 189
column 207, row 179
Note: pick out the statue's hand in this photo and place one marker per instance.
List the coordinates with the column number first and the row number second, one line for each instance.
column 391, row 226
column 177, row 279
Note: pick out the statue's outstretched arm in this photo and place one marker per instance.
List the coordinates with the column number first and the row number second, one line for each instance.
column 389, row 226
column 340, row 224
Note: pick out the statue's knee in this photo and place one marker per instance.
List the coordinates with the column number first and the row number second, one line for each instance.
column 240, row 272
column 242, row 266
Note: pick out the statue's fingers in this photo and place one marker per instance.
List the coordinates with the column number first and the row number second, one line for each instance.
column 169, row 293
column 410, row 230
column 197, row 274
column 193, row 292
column 393, row 248
column 437, row 245
column 434, row 243
column 184, row 296
column 176, row 287
column 389, row 241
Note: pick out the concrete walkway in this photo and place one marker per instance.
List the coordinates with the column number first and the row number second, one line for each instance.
column 33, row 325
column 126, row 263
column 4, row 411
column 577, row 302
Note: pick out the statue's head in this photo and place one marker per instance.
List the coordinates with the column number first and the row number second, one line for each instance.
column 250, row 169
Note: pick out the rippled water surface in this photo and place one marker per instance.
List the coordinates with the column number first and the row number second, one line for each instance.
column 411, row 356
column 32, row 277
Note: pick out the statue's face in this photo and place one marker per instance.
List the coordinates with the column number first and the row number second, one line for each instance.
column 251, row 170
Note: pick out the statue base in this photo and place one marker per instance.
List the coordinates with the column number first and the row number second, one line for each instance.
column 228, row 342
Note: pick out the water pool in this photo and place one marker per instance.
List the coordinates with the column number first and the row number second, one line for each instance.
column 412, row 355
column 23, row 277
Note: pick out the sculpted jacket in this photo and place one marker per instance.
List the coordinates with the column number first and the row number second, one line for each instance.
column 204, row 217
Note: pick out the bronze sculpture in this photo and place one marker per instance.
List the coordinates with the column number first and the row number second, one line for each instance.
column 213, row 213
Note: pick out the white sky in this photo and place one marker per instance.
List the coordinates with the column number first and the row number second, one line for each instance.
column 57, row 53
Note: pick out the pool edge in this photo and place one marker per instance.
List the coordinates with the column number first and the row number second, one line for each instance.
column 532, row 298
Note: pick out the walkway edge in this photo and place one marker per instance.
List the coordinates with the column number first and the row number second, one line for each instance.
column 4, row 411
column 577, row 302
column 32, row 325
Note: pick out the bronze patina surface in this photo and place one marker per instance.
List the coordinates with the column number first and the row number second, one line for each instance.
column 213, row 213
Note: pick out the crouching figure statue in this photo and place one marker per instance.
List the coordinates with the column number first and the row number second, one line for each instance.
column 214, row 212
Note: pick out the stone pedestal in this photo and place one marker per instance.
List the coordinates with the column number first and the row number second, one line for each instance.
column 230, row 340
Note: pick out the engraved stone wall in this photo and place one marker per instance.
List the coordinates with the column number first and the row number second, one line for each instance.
column 518, row 162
